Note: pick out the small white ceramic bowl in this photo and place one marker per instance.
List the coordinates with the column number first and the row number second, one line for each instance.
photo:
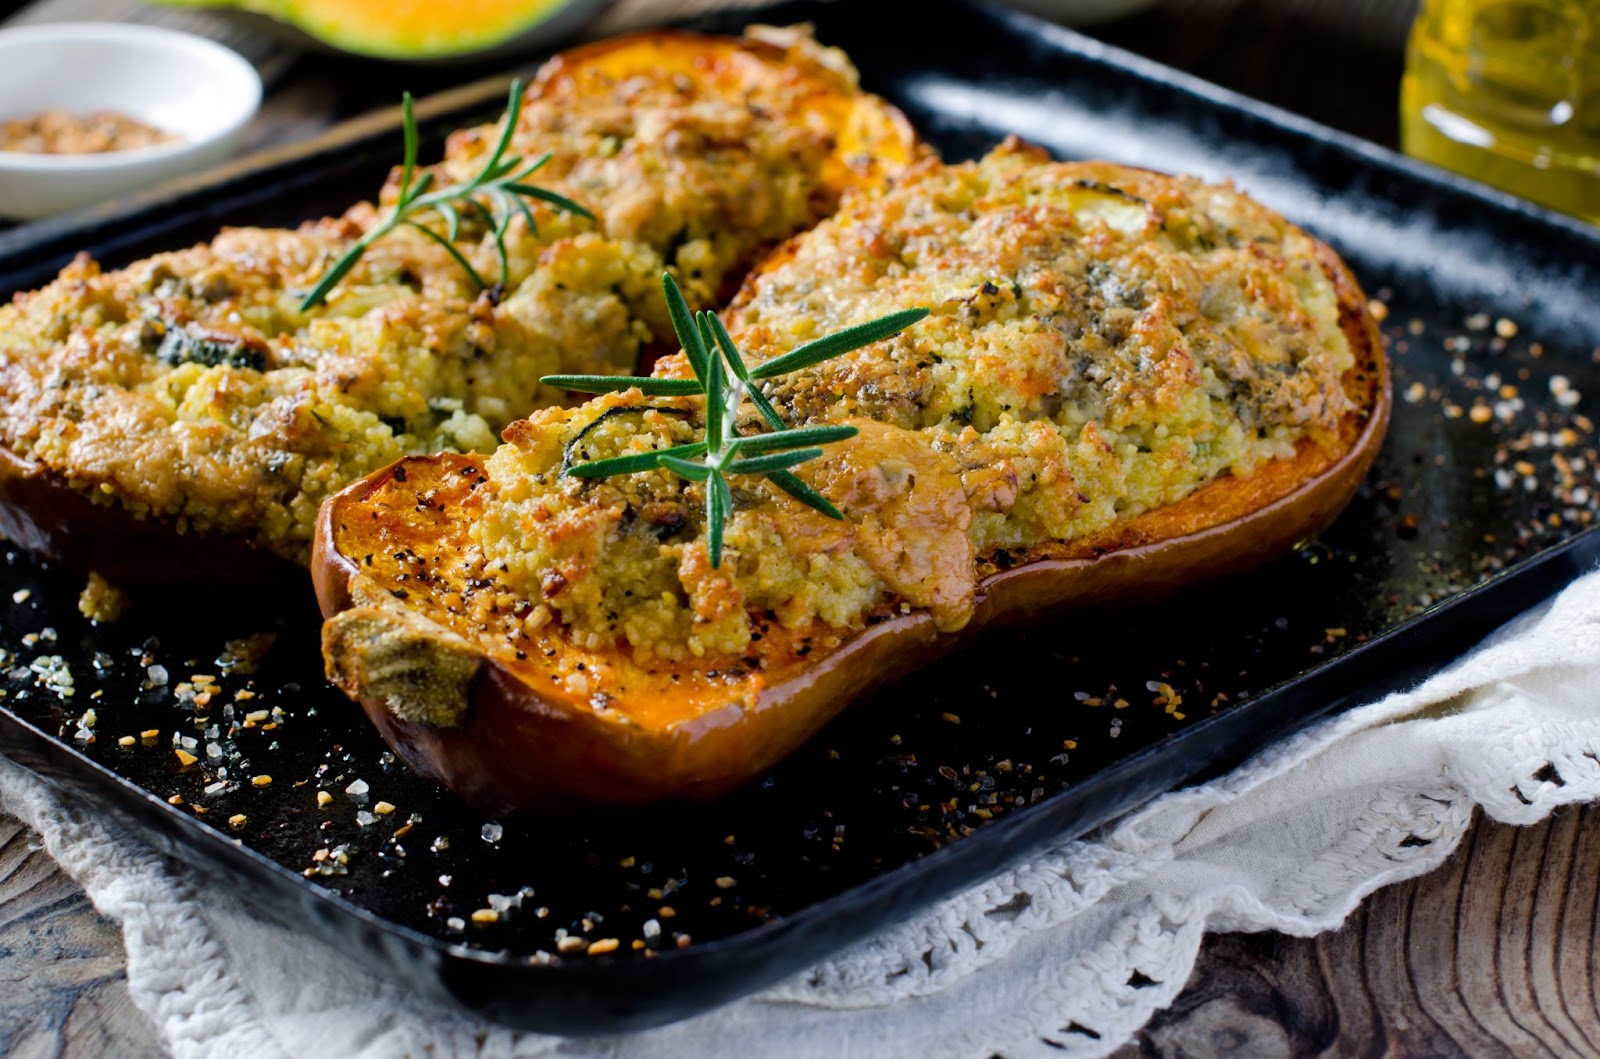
column 199, row 91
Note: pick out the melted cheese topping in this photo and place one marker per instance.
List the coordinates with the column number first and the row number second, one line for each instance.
column 1103, row 341
column 190, row 386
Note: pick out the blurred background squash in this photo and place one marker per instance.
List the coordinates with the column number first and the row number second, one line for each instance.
column 411, row 30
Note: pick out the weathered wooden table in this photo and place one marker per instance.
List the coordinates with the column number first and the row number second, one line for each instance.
column 1494, row 954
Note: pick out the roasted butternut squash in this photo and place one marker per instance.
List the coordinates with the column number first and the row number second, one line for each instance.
column 193, row 404
column 1129, row 383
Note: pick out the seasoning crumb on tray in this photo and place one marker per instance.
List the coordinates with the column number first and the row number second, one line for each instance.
column 101, row 601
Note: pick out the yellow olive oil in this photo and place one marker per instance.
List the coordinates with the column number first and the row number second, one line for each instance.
column 1508, row 92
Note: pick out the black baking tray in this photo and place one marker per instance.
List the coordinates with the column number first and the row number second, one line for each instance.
column 1479, row 507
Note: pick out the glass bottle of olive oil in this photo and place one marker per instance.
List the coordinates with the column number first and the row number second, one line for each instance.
column 1508, row 92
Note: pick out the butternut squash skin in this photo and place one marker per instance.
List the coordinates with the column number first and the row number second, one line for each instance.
column 41, row 513
column 505, row 734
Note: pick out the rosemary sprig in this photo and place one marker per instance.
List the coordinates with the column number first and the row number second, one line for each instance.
column 712, row 357
column 496, row 194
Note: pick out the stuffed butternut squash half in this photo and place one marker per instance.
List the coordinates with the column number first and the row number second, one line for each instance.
column 995, row 389
column 218, row 394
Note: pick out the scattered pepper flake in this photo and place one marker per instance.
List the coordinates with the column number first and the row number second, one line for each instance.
column 603, row 946
column 324, row 799
column 184, row 757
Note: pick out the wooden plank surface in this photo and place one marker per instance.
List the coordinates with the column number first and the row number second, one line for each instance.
column 63, row 991
column 1493, row 955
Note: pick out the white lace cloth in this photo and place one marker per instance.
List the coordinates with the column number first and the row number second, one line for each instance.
column 1022, row 965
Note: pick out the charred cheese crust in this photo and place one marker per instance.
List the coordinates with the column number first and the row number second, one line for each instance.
column 190, row 390
column 1149, row 313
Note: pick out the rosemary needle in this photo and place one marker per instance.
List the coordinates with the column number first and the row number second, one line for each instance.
column 713, row 358
column 495, row 195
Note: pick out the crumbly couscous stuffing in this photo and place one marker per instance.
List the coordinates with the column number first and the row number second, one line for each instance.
column 1103, row 342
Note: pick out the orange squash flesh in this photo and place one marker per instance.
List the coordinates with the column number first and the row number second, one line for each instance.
column 508, row 732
